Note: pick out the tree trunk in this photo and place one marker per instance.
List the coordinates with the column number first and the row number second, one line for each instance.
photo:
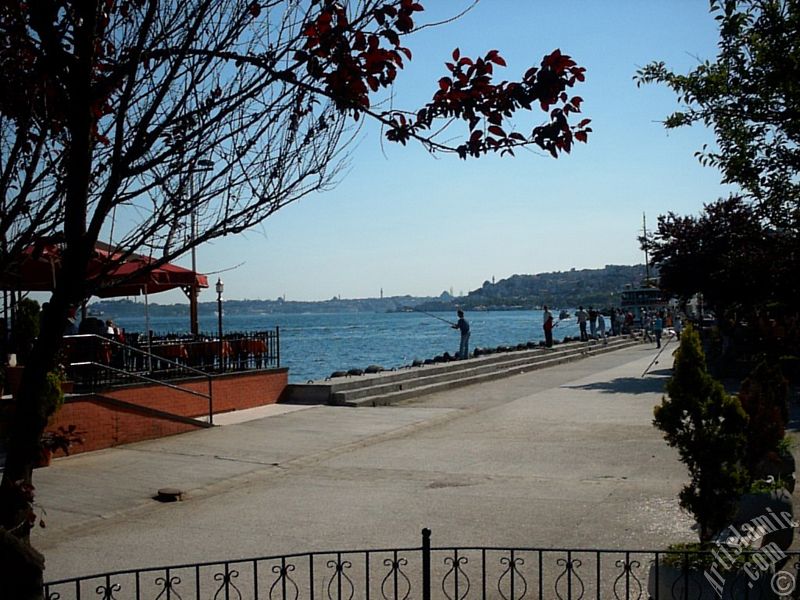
column 21, row 565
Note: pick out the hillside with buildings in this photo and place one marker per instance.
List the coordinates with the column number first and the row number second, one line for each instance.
column 599, row 287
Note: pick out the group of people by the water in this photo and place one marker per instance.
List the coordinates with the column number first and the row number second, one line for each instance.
column 620, row 322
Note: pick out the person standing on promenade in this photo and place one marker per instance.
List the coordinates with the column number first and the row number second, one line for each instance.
column 547, row 325
column 677, row 325
column 463, row 327
column 592, row 322
column 601, row 327
column 658, row 328
column 620, row 321
column 647, row 326
column 582, row 316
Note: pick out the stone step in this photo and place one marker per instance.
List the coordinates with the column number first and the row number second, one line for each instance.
column 324, row 392
column 351, row 389
column 380, row 395
column 338, row 384
column 425, row 375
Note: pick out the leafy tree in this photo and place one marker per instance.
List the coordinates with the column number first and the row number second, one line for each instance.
column 741, row 253
column 111, row 110
column 726, row 253
column 764, row 397
column 750, row 97
column 706, row 425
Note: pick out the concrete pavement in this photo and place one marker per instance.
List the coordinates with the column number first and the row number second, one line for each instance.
column 565, row 456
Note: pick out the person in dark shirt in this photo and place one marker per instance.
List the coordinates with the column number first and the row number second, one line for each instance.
column 463, row 327
column 547, row 326
column 592, row 322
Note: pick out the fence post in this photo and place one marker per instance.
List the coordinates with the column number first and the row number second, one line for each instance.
column 210, row 400
column 426, row 564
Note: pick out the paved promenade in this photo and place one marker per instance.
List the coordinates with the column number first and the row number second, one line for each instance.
column 565, row 456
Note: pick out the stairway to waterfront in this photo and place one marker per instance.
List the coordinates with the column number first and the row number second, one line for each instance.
column 387, row 387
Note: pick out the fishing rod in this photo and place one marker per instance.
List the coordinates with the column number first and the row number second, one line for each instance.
column 434, row 316
column 655, row 360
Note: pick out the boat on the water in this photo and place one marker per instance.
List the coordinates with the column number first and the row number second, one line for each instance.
column 636, row 300
column 564, row 314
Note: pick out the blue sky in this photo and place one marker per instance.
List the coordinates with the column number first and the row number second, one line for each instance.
column 410, row 223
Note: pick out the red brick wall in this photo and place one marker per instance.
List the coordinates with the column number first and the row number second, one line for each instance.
column 108, row 424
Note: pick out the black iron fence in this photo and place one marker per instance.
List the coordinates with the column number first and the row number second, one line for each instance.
column 95, row 362
column 426, row 572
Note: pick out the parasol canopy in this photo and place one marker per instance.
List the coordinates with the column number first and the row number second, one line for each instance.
column 37, row 268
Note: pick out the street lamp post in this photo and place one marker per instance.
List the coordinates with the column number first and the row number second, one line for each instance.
column 220, row 288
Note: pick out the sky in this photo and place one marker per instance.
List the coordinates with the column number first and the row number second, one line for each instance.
column 405, row 222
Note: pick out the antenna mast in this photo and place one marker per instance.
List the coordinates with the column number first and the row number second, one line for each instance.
column 646, row 256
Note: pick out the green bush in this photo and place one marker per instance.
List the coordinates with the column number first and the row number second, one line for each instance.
column 706, row 425
column 764, row 396
column 25, row 329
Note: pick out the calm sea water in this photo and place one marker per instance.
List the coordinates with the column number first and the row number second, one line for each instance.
column 315, row 345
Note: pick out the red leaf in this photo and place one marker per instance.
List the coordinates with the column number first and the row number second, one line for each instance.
column 445, row 83
column 584, row 123
column 494, row 56
column 498, row 131
column 476, row 135
column 456, row 54
column 581, row 136
column 254, row 8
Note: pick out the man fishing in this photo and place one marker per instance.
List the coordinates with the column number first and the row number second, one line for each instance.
column 547, row 325
column 463, row 327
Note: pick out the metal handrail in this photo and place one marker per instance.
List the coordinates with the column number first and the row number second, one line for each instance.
column 142, row 377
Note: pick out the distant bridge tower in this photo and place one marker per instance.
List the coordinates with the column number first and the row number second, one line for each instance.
column 381, row 293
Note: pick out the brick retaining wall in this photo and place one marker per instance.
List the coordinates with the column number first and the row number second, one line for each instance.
column 138, row 413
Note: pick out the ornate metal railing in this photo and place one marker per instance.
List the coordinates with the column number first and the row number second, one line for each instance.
column 452, row 574
column 95, row 362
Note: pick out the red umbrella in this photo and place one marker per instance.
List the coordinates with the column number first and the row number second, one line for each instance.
column 34, row 271
column 37, row 268
column 132, row 278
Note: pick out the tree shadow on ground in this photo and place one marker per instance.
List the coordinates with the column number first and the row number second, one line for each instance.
column 627, row 385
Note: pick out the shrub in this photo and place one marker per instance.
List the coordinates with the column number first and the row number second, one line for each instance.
column 26, row 328
column 764, row 397
column 706, row 425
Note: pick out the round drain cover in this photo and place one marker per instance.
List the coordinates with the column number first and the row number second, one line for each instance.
column 169, row 495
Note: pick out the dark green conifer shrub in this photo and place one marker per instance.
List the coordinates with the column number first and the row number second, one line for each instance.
column 707, row 427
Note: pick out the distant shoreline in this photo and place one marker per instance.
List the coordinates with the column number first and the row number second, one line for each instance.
column 587, row 287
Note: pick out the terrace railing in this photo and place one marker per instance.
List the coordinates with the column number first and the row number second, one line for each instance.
column 235, row 351
column 96, row 362
column 461, row 573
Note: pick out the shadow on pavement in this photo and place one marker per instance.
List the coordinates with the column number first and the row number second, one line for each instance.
column 626, row 385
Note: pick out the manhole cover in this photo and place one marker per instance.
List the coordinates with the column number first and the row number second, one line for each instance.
column 169, row 495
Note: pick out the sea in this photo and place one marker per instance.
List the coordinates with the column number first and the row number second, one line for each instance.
column 313, row 346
